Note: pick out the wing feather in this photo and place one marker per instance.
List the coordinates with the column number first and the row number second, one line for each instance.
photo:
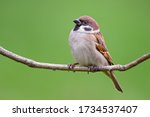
column 101, row 47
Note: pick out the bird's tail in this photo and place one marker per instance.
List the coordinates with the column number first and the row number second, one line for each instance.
column 113, row 78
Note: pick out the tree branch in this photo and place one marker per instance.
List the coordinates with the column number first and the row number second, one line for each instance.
column 35, row 64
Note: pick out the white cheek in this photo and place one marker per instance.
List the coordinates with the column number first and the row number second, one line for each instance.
column 81, row 29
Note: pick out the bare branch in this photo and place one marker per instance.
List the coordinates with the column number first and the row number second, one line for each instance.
column 35, row 64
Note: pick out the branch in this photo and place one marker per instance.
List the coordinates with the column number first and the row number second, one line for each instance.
column 35, row 64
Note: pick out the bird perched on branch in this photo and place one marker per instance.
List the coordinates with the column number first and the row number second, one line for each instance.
column 88, row 46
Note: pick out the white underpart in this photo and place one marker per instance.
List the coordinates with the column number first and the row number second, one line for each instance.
column 82, row 30
column 84, row 49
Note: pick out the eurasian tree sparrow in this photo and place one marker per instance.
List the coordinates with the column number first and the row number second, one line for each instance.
column 88, row 46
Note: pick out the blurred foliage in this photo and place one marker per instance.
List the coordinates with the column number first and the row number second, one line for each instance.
column 39, row 29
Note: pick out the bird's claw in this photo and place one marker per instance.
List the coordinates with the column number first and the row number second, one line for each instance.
column 71, row 66
column 93, row 68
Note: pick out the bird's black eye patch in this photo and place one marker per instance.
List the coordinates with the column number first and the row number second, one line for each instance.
column 87, row 29
column 83, row 22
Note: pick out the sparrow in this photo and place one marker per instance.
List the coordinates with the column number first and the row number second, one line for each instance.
column 88, row 46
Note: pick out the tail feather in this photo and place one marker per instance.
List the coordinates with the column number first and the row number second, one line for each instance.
column 113, row 78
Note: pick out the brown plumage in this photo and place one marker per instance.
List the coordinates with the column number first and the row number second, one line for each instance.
column 101, row 47
column 90, row 21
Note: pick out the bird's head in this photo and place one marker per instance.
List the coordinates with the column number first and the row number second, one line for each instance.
column 86, row 24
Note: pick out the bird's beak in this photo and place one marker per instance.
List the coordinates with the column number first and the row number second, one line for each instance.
column 77, row 22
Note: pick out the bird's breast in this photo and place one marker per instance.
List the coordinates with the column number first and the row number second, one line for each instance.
column 83, row 49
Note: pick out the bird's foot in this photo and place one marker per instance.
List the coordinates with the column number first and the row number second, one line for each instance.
column 71, row 66
column 93, row 68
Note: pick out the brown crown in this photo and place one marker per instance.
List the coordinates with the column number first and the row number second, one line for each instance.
column 90, row 21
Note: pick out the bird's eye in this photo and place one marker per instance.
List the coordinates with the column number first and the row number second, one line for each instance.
column 84, row 23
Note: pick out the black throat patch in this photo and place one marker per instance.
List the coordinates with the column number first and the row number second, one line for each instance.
column 76, row 28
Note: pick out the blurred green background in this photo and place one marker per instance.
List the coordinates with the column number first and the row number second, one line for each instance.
column 39, row 29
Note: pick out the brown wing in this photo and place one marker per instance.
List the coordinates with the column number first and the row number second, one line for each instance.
column 101, row 47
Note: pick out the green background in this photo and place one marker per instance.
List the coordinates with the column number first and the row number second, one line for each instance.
column 39, row 29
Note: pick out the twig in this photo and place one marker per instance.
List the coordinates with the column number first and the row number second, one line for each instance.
column 35, row 64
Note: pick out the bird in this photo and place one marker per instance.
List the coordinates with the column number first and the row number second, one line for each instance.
column 88, row 46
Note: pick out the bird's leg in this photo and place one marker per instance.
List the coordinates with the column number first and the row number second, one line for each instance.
column 71, row 66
